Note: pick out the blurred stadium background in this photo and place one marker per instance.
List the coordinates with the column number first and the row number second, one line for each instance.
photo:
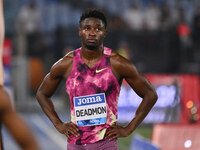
column 161, row 37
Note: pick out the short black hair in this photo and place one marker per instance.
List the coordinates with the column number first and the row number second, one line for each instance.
column 93, row 13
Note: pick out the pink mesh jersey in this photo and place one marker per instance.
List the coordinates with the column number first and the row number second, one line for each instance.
column 84, row 81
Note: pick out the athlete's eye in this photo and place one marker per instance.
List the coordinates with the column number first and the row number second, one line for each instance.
column 87, row 28
column 98, row 29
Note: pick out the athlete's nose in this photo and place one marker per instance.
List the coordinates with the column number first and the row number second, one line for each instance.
column 92, row 32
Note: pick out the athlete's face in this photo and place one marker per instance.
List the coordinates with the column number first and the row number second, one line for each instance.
column 92, row 33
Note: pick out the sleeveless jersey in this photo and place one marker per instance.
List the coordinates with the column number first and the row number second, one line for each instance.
column 84, row 81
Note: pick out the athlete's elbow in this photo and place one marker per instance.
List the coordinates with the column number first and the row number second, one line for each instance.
column 39, row 95
column 154, row 97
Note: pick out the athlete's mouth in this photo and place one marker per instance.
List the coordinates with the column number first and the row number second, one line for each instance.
column 91, row 40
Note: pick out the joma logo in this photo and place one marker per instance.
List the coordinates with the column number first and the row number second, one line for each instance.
column 89, row 100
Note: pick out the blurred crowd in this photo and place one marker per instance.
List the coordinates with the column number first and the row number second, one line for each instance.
column 159, row 36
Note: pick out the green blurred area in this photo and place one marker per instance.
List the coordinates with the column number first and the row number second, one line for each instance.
column 144, row 131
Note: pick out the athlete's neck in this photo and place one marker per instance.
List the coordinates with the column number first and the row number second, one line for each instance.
column 91, row 54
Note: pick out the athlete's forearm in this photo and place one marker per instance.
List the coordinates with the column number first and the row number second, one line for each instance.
column 15, row 124
column 48, row 108
column 144, row 108
column 21, row 133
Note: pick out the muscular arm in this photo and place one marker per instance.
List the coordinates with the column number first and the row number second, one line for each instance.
column 44, row 93
column 145, row 90
column 123, row 68
column 15, row 125
column 60, row 70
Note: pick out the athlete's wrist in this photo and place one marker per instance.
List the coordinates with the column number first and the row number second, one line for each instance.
column 57, row 123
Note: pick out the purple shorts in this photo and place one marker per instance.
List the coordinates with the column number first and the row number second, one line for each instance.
column 101, row 145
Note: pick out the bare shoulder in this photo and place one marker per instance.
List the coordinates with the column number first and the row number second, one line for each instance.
column 63, row 66
column 117, row 59
column 121, row 65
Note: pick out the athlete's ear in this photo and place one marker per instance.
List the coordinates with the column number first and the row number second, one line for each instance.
column 79, row 31
column 105, row 33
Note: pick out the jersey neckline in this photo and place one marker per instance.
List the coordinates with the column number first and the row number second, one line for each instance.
column 95, row 65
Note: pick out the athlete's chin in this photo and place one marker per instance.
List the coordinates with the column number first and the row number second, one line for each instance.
column 91, row 46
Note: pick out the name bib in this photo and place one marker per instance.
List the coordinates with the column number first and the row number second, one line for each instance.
column 90, row 110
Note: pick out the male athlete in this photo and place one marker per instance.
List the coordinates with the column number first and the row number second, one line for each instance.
column 93, row 75
column 8, row 115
